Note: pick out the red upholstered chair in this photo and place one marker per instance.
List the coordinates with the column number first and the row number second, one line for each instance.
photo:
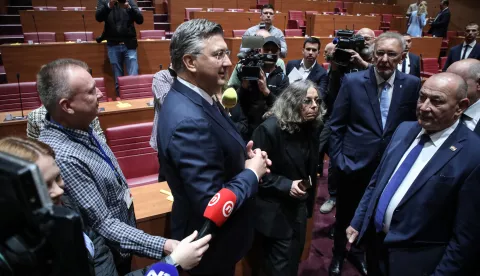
column 238, row 33
column 73, row 36
column 325, row 65
column 293, row 32
column 429, row 67
column 387, row 18
column 295, row 19
column 451, row 34
column 254, row 10
column 442, row 61
column 378, row 32
column 10, row 99
column 44, row 8
column 152, row 34
column 44, row 37
column 74, row 8
column 235, row 10
column 100, row 84
column 339, row 4
column 188, row 11
column 135, row 87
column 130, row 145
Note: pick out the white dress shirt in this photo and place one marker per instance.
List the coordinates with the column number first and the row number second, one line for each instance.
column 429, row 149
column 471, row 116
column 380, row 84
column 469, row 50
column 304, row 70
column 407, row 65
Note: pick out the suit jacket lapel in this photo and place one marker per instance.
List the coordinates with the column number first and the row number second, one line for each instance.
column 477, row 129
column 397, row 94
column 313, row 73
column 371, row 88
column 449, row 149
column 473, row 53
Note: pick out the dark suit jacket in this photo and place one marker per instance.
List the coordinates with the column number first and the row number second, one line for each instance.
column 357, row 137
column 414, row 65
column 455, row 54
column 201, row 152
column 435, row 229
column 276, row 210
column 439, row 27
column 318, row 74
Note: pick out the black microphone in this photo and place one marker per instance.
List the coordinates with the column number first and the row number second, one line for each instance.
column 81, row 6
column 84, row 28
column 161, row 66
column 421, row 63
column 20, row 94
column 334, row 34
column 46, row 5
column 36, row 29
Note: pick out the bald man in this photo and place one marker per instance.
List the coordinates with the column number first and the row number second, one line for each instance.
column 420, row 213
column 469, row 70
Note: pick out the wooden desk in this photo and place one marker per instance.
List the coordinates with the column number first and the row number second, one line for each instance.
column 367, row 8
column 138, row 112
column 239, row 20
column 89, row 4
column 71, row 21
column 324, row 25
column 428, row 47
column 27, row 59
column 303, row 5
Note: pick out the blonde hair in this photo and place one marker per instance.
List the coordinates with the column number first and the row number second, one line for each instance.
column 25, row 148
column 422, row 8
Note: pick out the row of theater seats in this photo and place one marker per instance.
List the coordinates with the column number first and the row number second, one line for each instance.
column 53, row 8
column 189, row 10
column 84, row 36
column 130, row 87
column 432, row 66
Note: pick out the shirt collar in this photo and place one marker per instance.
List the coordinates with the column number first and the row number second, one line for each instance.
column 380, row 80
column 302, row 64
column 78, row 134
column 197, row 89
column 473, row 111
column 471, row 44
column 439, row 137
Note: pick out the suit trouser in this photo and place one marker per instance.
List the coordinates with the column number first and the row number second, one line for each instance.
column 324, row 137
column 350, row 190
column 377, row 255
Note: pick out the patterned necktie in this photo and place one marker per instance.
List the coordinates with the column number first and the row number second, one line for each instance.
column 465, row 51
column 384, row 103
column 396, row 180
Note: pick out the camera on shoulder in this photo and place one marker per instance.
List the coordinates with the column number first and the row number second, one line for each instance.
column 346, row 40
column 253, row 61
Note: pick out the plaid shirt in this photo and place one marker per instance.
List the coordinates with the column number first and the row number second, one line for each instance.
column 98, row 190
column 35, row 124
column 162, row 82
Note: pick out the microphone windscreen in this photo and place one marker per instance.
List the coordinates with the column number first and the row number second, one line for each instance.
column 229, row 98
column 162, row 269
column 220, row 206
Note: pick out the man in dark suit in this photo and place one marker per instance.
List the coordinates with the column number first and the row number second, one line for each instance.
column 369, row 107
column 200, row 150
column 469, row 70
column 308, row 67
column 420, row 213
column 439, row 25
column 468, row 49
column 411, row 63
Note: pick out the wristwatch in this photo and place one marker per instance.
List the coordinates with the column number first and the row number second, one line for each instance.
column 168, row 259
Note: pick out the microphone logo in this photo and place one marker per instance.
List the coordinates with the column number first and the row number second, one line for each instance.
column 227, row 208
column 214, row 199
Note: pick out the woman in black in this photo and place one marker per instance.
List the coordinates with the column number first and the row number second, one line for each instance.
column 285, row 198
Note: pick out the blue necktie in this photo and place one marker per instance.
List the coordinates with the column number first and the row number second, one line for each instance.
column 395, row 182
column 384, row 103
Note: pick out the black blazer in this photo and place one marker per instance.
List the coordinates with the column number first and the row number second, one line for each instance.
column 439, row 27
column 318, row 75
column 275, row 211
column 414, row 65
column 455, row 54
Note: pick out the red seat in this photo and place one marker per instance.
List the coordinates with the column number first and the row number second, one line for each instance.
column 325, row 65
column 137, row 159
column 44, row 37
column 10, row 99
column 188, row 11
column 235, row 10
column 429, row 67
column 100, row 84
column 74, row 8
column 378, row 32
column 152, row 34
column 295, row 19
column 387, row 18
column 74, row 36
column 339, row 4
column 451, row 34
column 216, row 9
column 44, row 8
column 293, row 32
column 238, row 33
column 135, row 87
column 443, row 60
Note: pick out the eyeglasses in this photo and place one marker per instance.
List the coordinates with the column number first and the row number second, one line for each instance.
column 220, row 55
column 390, row 55
column 308, row 101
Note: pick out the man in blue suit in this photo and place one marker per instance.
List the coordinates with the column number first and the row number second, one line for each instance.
column 468, row 49
column 308, row 67
column 411, row 63
column 200, row 150
column 368, row 109
column 420, row 214
column 439, row 25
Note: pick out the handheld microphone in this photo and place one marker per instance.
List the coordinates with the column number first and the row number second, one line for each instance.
column 162, row 269
column 229, row 98
column 36, row 29
column 219, row 208
column 84, row 28
column 20, row 94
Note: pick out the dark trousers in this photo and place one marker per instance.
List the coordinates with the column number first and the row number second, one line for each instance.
column 124, row 266
column 350, row 190
column 229, row 272
column 324, row 137
column 377, row 255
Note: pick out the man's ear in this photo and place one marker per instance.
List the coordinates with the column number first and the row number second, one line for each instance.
column 462, row 106
column 65, row 106
column 190, row 62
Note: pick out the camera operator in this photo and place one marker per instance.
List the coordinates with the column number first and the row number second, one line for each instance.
column 257, row 96
column 119, row 31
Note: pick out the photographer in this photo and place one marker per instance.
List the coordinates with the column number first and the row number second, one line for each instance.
column 119, row 31
column 257, row 96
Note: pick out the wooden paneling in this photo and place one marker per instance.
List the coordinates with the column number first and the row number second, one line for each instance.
column 89, row 4
column 368, row 8
column 325, row 25
column 239, row 20
column 302, row 5
column 428, row 47
column 72, row 21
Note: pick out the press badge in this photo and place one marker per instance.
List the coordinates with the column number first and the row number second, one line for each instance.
column 127, row 197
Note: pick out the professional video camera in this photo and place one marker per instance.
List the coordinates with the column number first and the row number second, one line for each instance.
column 253, row 61
column 36, row 237
column 346, row 39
